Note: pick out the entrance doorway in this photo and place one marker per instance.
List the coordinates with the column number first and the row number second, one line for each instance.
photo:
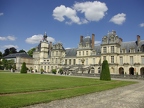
column 131, row 71
column 142, row 71
column 121, row 71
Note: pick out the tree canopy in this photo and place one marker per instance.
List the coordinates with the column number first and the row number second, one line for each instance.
column 30, row 52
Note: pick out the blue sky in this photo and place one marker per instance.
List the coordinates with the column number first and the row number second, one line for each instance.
column 23, row 22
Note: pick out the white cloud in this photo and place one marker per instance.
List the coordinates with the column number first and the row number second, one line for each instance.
column 97, row 42
column 10, row 38
column 9, row 46
column 118, row 19
column 37, row 38
column 2, row 38
column 142, row 25
column 1, row 14
column 93, row 11
column 59, row 13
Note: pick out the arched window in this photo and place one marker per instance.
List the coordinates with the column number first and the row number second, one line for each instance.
column 142, row 48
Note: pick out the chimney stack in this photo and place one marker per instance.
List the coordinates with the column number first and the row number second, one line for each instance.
column 138, row 40
column 93, row 40
column 120, row 40
column 81, row 39
column 50, row 45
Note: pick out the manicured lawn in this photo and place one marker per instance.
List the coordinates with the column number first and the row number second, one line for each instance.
column 17, row 90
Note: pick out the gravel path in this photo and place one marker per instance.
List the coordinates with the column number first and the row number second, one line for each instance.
column 131, row 96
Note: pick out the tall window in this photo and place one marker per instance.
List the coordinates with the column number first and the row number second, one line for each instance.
column 93, row 60
column 132, row 50
column 131, row 60
column 112, row 49
column 142, row 59
column 56, row 53
column 56, row 61
column 104, row 57
column 66, row 61
column 79, row 61
column 112, row 59
column 69, row 61
column 104, row 50
column 121, row 60
column 74, row 61
column 83, row 52
column 79, row 53
column 86, row 52
column 124, row 51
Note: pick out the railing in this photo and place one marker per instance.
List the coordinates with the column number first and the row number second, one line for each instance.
column 112, row 76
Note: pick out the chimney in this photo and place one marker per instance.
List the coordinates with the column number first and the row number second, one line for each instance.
column 50, row 45
column 81, row 39
column 93, row 40
column 120, row 40
column 138, row 40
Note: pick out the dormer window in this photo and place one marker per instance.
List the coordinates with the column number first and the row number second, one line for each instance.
column 124, row 51
column 142, row 48
column 132, row 50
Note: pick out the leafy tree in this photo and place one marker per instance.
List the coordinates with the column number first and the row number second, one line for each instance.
column 1, row 55
column 54, row 71
column 4, row 63
column 20, row 51
column 105, row 73
column 61, row 71
column 30, row 52
column 6, row 52
column 23, row 68
column 13, row 50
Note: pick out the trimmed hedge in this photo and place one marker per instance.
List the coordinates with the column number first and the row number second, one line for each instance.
column 23, row 68
column 105, row 73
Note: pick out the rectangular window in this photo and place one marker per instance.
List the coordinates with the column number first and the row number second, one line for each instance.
column 69, row 61
column 132, row 50
column 131, row 60
column 112, row 49
column 56, row 53
column 104, row 58
column 83, row 52
column 121, row 60
column 66, row 61
column 112, row 59
column 79, row 61
column 142, row 59
column 79, row 53
column 86, row 52
column 74, row 61
column 124, row 51
column 56, row 61
column 104, row 50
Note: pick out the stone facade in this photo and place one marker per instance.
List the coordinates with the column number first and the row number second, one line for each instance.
column 123, row 57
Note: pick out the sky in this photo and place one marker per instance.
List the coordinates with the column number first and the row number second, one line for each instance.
column 24, row 22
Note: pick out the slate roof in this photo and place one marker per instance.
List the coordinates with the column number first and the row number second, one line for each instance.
column 128, row 45
column 23, row 54
column 71, row 52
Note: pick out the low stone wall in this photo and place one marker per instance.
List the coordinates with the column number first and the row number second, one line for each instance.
column 112, row 76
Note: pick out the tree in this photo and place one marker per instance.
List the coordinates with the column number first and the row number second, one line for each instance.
column 105, row 73
column 54, row 71
column 13, row 50
column 1, row 55
column 30, row 52
column 20, row 51
column 6, row 52
column 23, row 68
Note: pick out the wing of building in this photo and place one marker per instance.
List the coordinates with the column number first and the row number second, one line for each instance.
column 123, row 57
column 19, row 58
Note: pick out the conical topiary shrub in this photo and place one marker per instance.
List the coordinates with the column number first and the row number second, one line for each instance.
column 23, row 68
column 105, row 72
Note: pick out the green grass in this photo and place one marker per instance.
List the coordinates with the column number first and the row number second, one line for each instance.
column 17, row 90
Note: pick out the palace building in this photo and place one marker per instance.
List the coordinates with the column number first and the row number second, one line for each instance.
column 123, row 57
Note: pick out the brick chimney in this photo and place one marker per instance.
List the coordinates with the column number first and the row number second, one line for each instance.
column 138, row 40
column 93, row 40
column 120, row 40
column 50, row 45
column 81, row 39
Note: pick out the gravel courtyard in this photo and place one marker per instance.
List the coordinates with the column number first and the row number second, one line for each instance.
column 131, row 96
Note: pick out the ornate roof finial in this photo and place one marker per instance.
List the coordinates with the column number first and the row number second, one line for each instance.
column 45, row 37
